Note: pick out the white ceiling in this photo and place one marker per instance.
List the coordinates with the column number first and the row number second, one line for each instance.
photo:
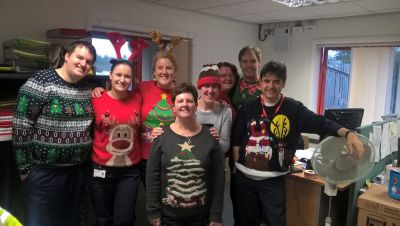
column 267, row 11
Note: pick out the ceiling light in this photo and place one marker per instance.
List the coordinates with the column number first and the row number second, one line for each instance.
column 300, row 3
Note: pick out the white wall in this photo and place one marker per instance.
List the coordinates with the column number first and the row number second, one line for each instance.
column 214, row 38
column 302, row 57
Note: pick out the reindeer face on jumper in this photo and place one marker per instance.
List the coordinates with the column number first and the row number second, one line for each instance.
column 121, row 140
column 121, row 135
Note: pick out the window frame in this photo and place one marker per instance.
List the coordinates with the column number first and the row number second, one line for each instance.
column 322, row 75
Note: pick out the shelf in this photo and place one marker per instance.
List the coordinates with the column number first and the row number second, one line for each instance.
column 5, row 138
column 15, row 75
column 28, row 75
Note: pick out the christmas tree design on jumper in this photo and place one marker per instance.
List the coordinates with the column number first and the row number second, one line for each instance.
column 22, row 105
column 161, row 114
column 55, row 107
column 20, row 156
column 186, row 187
column 79, row 109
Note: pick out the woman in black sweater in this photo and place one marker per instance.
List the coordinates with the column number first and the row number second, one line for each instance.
column 180, row 188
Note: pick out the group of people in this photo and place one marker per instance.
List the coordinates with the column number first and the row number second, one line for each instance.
column 161, row 133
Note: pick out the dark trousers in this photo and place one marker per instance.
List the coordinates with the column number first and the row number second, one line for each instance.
column 232, row 192
column 114, row 197
column 143, row 170
column 53, row 196
column 258, row 199
column 201, row 220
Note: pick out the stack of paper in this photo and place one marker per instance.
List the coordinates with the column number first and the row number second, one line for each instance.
column 27, row 54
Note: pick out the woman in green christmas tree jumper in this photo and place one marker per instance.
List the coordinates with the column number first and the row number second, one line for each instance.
column 180, row 187
column 156, row 96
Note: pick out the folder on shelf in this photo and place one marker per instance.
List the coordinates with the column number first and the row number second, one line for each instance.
column 18, row 54
column 26, row 42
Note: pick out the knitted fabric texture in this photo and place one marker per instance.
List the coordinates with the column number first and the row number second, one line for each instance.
column 209, row 75
column 52, row 122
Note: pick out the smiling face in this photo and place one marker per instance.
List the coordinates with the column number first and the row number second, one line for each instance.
column 209, row 92
column 227, row 79
column 78, row 63
column 185, row 106
column 121, row 78
column 271, row 87
column 164, row 72
column 249, row 65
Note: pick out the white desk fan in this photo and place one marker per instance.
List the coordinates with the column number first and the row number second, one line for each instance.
column 333, row 163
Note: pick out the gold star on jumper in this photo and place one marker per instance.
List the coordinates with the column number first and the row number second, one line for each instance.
column 186, row 146
column 164, row 96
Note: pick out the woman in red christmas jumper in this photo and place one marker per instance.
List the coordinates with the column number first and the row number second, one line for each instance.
column 116, row 150
column 156, row 109
column 156, row 94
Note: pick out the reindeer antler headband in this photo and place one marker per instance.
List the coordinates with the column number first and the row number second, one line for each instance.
column 157, row 38
column 137, row 45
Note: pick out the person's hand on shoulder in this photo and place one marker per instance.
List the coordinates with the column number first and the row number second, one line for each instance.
column 97, row 92
column 157, row 131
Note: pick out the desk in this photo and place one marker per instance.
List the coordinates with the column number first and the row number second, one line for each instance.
column 307, row 204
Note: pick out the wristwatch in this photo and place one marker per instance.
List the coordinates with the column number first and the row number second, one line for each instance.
column 349, row 131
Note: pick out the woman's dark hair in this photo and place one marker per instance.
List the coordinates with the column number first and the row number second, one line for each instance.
column 252, row 49
column 232, row 67
column 184, row 88
column 115, row 62
column 234, row 72
column 70, row 49
column 275, row 68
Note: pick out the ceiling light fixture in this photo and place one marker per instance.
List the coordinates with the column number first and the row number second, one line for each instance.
column 301, row 3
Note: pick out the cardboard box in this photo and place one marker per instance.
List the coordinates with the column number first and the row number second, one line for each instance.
column 376, row 208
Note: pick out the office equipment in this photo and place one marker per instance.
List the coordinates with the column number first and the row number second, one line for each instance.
column 354, row 191
column 333, row 163
column 350, row 118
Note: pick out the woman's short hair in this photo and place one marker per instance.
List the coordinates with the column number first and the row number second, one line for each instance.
column 232, row 67
column 184, row 87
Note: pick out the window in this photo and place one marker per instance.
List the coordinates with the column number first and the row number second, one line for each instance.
column 142, row 65
column 360, row 77
column 395, row 94
column 334, row 78
column 106, row 52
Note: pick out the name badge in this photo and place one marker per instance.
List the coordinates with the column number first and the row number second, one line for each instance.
column 99, row 173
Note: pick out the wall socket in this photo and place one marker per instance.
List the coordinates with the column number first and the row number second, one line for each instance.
column 297, row 29
column 310, row 28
